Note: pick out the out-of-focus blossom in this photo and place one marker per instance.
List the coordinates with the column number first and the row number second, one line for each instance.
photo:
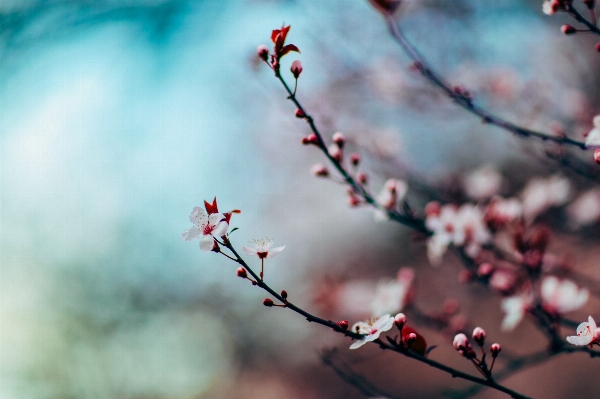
column 371, row 329
column 457, row 226
column 541, row 194
column 586, row 333
column 482, row 183
column 514, row 308
column 550, row 7
column 585, row 210
column 391, row 295
column 503, row 281
column 262, row 249
column 562, row 296
column 390, row 197
column 503, row 211
column 593, row 138
column 209, row 226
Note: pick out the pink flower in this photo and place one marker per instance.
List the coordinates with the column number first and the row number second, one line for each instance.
column 262, row 249
column 585, row 210
column 371, row 329
column 586, row 333
column 213, row 225
column 562, row 296
column 390, row 197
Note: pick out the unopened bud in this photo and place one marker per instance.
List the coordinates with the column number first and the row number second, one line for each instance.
column 410, row 339
column 268, row 302
column 336, row 152
column 241, row 272
column 485, row 269
column 479, row 336
column 300, row 114
column 353, row 200
column 355, row 158
column 343, row 325
column 597, row 153
column 400, row 320
column 568, row 29
column 362, row 178
column 262, row 52
column 495, row 349
column 460, row 342
column 284, row 294
column 296, row 68
column 319, row 170
column 310, row 139
column 339, row 139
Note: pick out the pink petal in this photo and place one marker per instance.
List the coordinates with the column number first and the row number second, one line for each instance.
column 191, row 233
column 207, row 243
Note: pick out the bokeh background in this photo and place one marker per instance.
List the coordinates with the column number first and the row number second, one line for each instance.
column 118, row 117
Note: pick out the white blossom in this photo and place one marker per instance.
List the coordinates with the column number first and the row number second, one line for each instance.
column 371, row 329
column 586, row 333
column 209, row 226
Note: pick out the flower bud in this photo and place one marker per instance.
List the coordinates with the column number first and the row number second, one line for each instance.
column 339, row 139
column 262, row 52
column 336, row 152
column 465, row 276
column 495, row 349
column 568, row 29
column 400, row 320
column 597, row 47
column 268, row 302
column 597, row 153
column 300, row 114
column 479, row 335
column 353, row 200
column 284, row 294
column 296, row 68
column 485, row 269
column 310, row 139
column 241, row 272
column 319, row 170
column 355, row 158
column 362, row 178
column 460, row 342
column 343, row 325
column 410, row 339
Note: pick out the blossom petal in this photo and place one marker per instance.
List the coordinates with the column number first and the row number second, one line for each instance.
column 191, row 233
column 215, row 218
column 198, row 216
column 592, row 322
column 581, row 340
column 207, row 243
column 593, row 139
column 220, row 229
column 249, row 250
column 358, row 343
column 274, row 251
column 384, row 323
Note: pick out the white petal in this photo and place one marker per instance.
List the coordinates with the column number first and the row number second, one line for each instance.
column 206, row 243
column 358, row 344
column 191, row 233
column 593, row 139
column 274, row 251
column 549, row 287
column 361, row 327
column 580, row 340
column 198, row 216
column 436, row 247
column 249, row 250
column 384, row 323
column 592, row 322
column 220, row 229
column 215, row 218
column 597, row 122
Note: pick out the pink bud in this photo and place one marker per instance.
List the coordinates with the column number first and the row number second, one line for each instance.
column 450, row 306
column 268, row 302
column 319, row 170
column 400, row 320
column 433, row 208
column 355, row 158
column 263, row 52
column 567, row 29
column 336, row 152
column 597, row 155
column 300, row 114
column 362, row 178
column 460, row 341
column 353, row 200
column 284, row 294
column 465, row 276
column 495, row 349
column 296, row 68
column 339, row 139
column 485, row 269
column 479, row 335
column 343, row 325
column 310, row 139
column 410, row 339
column 241, row 272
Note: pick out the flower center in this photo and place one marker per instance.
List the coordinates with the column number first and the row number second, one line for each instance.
column 207, row 229
column 262, row 255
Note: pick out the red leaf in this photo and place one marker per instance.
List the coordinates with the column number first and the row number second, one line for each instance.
column 287, row 49
column 274, row 34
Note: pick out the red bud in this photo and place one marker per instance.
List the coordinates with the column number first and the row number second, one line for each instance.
column 268, row 302
column 284, row 294
column 241, row 272
column 343, row 325
column 568, row 29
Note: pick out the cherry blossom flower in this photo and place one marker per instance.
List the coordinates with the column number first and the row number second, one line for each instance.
column 392, row 295
column 540, row 195
column 262, row 248
column 586, row 333
column 462, row 226
column 503, row 211
column 593, row 138
column 562, row 296
column 514, row 308
column 210, row 226
column 482, row 183
column 371, row 329
column 390, row 197
column 585, row 210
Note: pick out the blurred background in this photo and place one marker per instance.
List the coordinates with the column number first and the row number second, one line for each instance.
column 118, row 117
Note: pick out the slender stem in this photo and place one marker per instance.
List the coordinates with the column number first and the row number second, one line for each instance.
column 262, row 268
column 465, row 102
column 575, row 14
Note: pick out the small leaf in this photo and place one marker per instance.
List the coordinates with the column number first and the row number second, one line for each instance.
column 432, row 347
column 392, row 341
column 287, row 48
column 234, row 229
